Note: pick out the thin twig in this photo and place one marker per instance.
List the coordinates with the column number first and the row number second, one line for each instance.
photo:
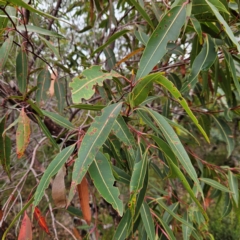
column 66, row 229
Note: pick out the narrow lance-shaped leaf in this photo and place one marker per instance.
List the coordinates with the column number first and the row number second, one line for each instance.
column 84, row 87
column 21, row 71
column 59, row 119
column 147, row 221
column 60, row 94
column 91, row 143
column 175, row 145
column 5, row 148
column 26, row 228
column 202, row 62
column 51, row 170
column 23, row 133
column 167, row 30
column 43, row 84
column 233, row 184
column 4, row 51
column 215, row 184
column 101, row 174
column 226, row 28
column 226, row 134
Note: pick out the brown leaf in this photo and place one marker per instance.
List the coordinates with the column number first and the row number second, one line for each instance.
column 53, row 80
column 41, row 220
column 83, row 194
column 76, row 234
column 58, row 189
column 26, row 228
column 23, row 133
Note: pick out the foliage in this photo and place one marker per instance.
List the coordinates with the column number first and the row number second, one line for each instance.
column 123, row 102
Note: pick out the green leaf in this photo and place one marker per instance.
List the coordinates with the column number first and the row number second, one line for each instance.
column 141, row 11
column 185, row 229
column 168, row 230
column 202, row 62
column 5, row 148
column 51, row 47
column 233, row 185
column 110, row 40
column 215, row 184
column 147, row 221
column 4, row 51
column 120, row 175
column 88, row 107
column 197, row 27
column 46, row 131
column 23, row 133
column 226, row 28
column 84, row 87
column 122, row 230
column 142, row 37
column 43, row 84
column 229, row 60
column 168, row 217
column 51, row 170
column 167, row 30
column 91, row 143
column 110, row 57
column 59, row 90
column 122, row 132
column 61, row 121
column 226, row 134
column 101, row 174
column 35, row 29
column 164, row 206
column 227, row 205
column 74, row 211
column 21, row 71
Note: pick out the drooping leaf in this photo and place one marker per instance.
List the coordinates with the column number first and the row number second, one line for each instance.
column 226, row 134
column 51, row 170
column 21, row 71
column 51, row 47
column 122, row 230
column 215, row 184
column 122, row 132
column 35, row 29
column 166, row 227
column 166, row 216
column 84, row 87
column 202, row 62
column 4, row 51
column 43, row 84
column 59, row 189
column 5, row 148
column 59, row 90
column 23, row 133
column 25, row 232
column 167, row 30
column 147, row 221
column 227, row 205
column 120, row 175
column 61, row 121
column 197, row 27
column 101, row 174
column 83, row 194
column 185, row 229
column 91, row 143
column 233, row 185
column 226, row 28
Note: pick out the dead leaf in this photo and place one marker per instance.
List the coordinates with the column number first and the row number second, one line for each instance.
column 25, row 232
column 83, row 194
column 76, row 234
column 58, row 189
column 53, row 80
column 41, row 220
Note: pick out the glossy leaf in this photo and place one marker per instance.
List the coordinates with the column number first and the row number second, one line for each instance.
column 35, row 29
column 61, row 121
column 23, row 133
column 202, row 62
column 51, row 170
column 21, row 71
column 43, row 84
column 226, row 134
column 84, row 87
column 4, row 51
column 215, row 184
column 233, row 185
column 5, row 148
column 91, row 143
column 226, row 28
column 101, row 174
column 25, row 232
column 167, row 30
column 147, row 221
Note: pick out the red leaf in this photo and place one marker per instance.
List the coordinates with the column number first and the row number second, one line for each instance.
column 26, row 228
column 41, row 220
